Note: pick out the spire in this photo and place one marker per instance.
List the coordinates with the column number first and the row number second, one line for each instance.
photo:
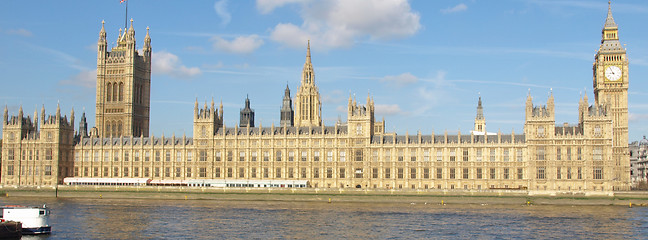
column 480, row 109
column 72, row 117
column 102, row 33
column 83, row 126
column 20, row 112
column 5, row 117
column 308, row 56
column 609, row 21
column 196, row 108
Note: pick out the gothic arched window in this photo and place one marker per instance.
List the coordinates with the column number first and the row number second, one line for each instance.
column 108, row 91
column 121, row 91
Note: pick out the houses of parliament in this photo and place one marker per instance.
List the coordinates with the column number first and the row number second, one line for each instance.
column 591, row 155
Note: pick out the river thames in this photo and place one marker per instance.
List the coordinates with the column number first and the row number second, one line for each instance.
column 206, row 219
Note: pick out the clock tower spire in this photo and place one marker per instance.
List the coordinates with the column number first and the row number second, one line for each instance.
column 610, row 82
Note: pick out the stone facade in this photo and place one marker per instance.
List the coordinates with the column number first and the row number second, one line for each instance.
column 590, row 155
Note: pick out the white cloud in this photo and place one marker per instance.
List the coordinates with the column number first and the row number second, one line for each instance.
column 637, row 117
column 221, row 10
column 169, row 64
column 239, row 45
column 388, row 109
column 19, row 32
column 333, row 97
column 459, row 8
column 267, row 6
column 336, row 23
column 87, row 78
column 400, row 80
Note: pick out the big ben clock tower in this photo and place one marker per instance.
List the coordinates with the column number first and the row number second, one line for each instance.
column 611, row 90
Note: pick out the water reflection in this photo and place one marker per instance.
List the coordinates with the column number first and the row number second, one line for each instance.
column 203, row 219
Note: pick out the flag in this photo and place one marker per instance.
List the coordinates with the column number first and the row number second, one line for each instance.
column 122, row 1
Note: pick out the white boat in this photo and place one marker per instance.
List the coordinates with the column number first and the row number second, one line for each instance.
column 35, row 220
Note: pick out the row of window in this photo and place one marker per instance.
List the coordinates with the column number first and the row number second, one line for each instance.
column 597, row 153
column 385, row 173
column 29, row 171
column 568, row 173
column 29, row 154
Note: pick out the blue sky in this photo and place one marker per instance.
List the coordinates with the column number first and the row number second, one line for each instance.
column 425, row 63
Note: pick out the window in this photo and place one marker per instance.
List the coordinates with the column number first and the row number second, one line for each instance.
column 400, row 173
column 465, row 155
column 316, row 156
column 157, row 156
column 439, row 155
column 241, row 172
column 342, row 173
column 48, row 170
column 413, row 156
column 86, row 156
column 316, row 173
column 266, row 172
column 178, row 156
column 558, row 154
column 278, row 156
column 125, row 171
column 541, row 173
column 519, row 155
column 400, row 155
column 291, row 173
column 541, row 153
column 157, row 172
column 569, row 173
column 178, row 172
column 115, row 172
column 426, row 155
column 358, row 173
column 598, row 154
column 254, row 157
column 229, row 172
column 241, row 156
column 302, row 173
column 439, row 173
column 413, row 173
column 136, row 172
column 505, row 155
column 10, row 155
column 387, row 173
column 189, row 156
column 506, row 173
column 137, row 156
column 342, row 156
column 291, row 156
column 453, row 155
column 95, row 154
column 465, row 173
column 278, row 172
column 426, row 173
column 569, row 153
column 492, row 155
column 580, row 173
column 520, row 173
column 329, row 172
column 579, row 152
column 202, row 172
column 167, row 156
column 558, row 173
column 374, row 173
column 452, row 173
column 167, row 172
column 48, row 154
column 479, row 173
column 106, row 156
column 105, row 171
column 492, row 173
column 358, row 155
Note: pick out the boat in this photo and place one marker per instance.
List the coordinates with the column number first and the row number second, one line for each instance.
column 35, row 220
column 10, row 230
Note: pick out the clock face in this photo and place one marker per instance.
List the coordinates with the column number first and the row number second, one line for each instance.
column 613, row 73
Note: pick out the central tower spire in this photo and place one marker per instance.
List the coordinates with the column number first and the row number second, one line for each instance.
column 308, row 108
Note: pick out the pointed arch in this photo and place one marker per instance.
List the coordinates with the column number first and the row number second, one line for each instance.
column 114, row 88
column 119, row 128
column 121, row 91
column 107, row 129
column 108, row 91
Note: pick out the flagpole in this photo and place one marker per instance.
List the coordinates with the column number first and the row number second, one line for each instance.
column 126, row 17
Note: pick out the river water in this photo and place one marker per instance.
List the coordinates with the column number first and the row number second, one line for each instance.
column 207, row 219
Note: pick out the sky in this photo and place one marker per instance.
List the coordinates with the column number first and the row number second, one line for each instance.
column 425, row 63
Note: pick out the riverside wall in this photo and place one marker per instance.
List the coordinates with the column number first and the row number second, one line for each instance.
column 636, row 198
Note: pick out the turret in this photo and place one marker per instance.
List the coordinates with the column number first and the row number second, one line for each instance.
column 480, row 121
column 247, row 115
column 5, row 117
column 102, row 44
column 286, row 112
column 83, row 126
column 147, row 45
